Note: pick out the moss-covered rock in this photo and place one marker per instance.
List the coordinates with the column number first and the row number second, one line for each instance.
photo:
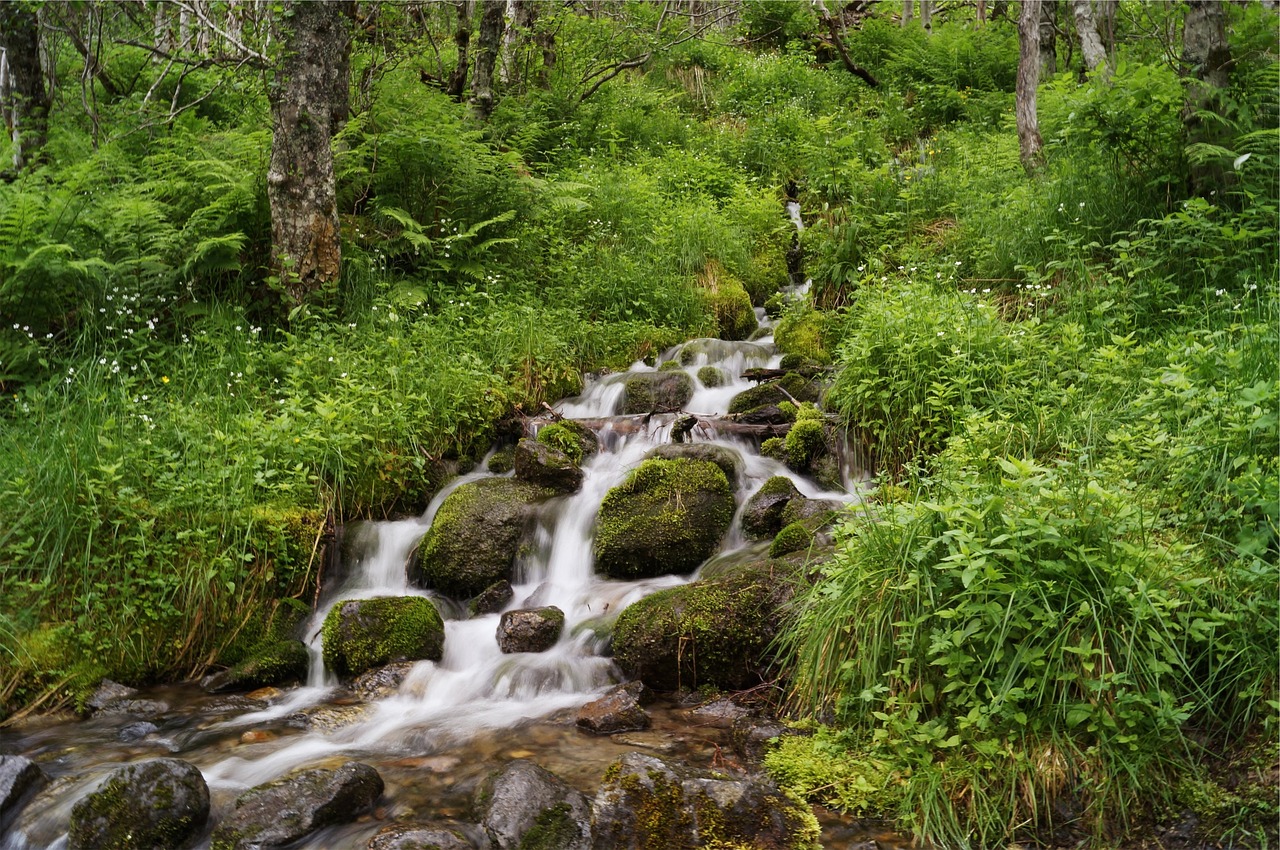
column 805, row 332
column 713, row 376
column 729, row 461
column 424, row 836
column 282, row 812
column 792, row 538
column 525, row 807
column 545, row 466
column 796, row 387
column 804, row 443
column 766, row 274
column 728, row 301
column 269, row 663
column 656, row 392
column 711, row 632
column 502, row 461
column 151, row 805
column 530, row 629
column 774, row 448
column 667, row 517
column 476, row 536
column 669, row 366
column 762, row 516
column 361, row 634
column 573, row 438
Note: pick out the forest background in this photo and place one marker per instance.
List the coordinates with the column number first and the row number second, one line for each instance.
column 266, row 268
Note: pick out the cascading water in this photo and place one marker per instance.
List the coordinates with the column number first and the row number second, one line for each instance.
column 475, row 693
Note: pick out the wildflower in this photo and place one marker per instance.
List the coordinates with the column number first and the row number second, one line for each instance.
column 164, row 379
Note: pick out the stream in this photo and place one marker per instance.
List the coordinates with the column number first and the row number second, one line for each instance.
column 452, row 722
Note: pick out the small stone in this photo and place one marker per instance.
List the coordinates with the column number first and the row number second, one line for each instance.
column 382, row 682
column 530, row 630
column 257, row 736
column 720, row 713
column 617, row 711
column 132, row 732
column 107, row 692
column 492, row 599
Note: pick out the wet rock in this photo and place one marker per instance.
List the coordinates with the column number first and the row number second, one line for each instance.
column 525, row 806
column 420, row 837
column 530, row 629
column 573, row 438
column 108, row 692
column 133, row 732
column 655, row 741
column 361, row 634
column 766, row 414
column 711, row 632
column 667, row 517
column 713, row 376
column 270, row 663
column 751, row 736
column 643, row 803
column 281, row 812
column 382, row 682
column 545, row 466
column 762, row 516
column 502, row 461
column 257, row 736
column 150, row 708
column 476, row 535
column 790, row 387
column 617, row 711
column 160, row 804
column 729, row 461
column 656, row 392
column 492, row 599
column 267, row 695
column 20, row 779
column 719, row 712
column 824, row 511
column 327, row 718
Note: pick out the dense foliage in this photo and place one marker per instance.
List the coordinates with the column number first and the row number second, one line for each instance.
column 1059, row 603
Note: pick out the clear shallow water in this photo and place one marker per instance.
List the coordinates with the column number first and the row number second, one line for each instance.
column 449, row 723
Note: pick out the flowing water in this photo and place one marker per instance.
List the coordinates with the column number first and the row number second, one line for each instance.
column 449, row 723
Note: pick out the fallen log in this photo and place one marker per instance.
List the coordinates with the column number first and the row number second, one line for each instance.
column 719, row 426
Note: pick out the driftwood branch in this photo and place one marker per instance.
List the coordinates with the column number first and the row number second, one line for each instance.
column 640, row 422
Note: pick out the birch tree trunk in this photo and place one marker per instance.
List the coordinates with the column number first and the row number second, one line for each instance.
column 1207, row 56
column 24, row 101
column 487, row 47
column 1090, row 44
column 309, row 102
column 1029, row 60
column 908, row 11
column 457, row 83
column 1048, row 37
column 926, row 15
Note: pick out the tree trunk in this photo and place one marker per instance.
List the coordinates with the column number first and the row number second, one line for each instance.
column 1048, row 37
column 545, row 37
column 908, row 11
column 1090, row 44
column 1207, row 58
column 1106, row 18
column 982, row 12
column 24, row 99
column 487, row 45
column 926, row 15
column 518, row 36
column 457, row 83
column 1029, row 140
column 309, row 103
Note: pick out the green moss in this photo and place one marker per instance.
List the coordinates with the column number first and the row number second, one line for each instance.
column 362, row 634
column 731, row 306
column 774, row 305
column 553, row 829
column 788, row 387
column 502, row 461
column 775, row 448
column 660, row 392
column 667, row 517
column 712, row 376
column 766, row 274
column 792, row 538
column 805, row 332
column 804, row 442
column 670, row 366
column 796, row 361
column 788, row 410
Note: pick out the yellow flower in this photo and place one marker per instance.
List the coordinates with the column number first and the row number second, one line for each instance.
column 164, row 379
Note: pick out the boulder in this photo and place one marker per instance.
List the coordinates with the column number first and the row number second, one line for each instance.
column 360, row 634
column 420, row 837
column 713, row 376
column 790, row 387
column 381, row 682
column 476, row 535
column 492, row 599
column 109, row 692
column 530, row 629
column 792, row 538
column 545, row 466
column 160, row 804
column 617, row 711
column 524, row 806
column 655, row 392
column 20, row 779
column 729, row 461
column 762, row 516
column 645, row 803
column 268, row 663
column 133, row 732
column 573, row 438
column 711, row 632
column 667, row 517
column 814, row 513
column 282, row 812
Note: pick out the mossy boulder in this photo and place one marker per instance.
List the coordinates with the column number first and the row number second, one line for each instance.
column 711, row 632
column 729, row 461
column 730, row 304
column 646, row 804
column 805, row 443
column 667, row 517
column 502, row 461
column 476, row 536
column 546, row 466
column 814, row 513
column 269, row 663
column 573, row 438
column 526, row 807
column 361, row 634
column 655, row 392
column 762, row 516
column 151, row 805
column 530, row 629
column 792, row 538
column 279, row 813
column 796, row 387
column 806, row 333
column 713, row 376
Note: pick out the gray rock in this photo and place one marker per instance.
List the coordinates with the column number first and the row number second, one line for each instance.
column 137, row 707
column 420, row 837
column 634, row 782
column 801, row 510
column 360, row 634
column 160, row 804
column 109, row 691
column 20, row 779
column 762, row 517
column 492, row 599
column 530, row 629
column 617, row 711
column 752, row 736
column 382, row 682
column 720, row 713
column 132, row 732
column 282, row 812
column 544, row 466
column 269, row 663
column 524, row 805
column 766, row 414
column 656, row 392
column 729, row 461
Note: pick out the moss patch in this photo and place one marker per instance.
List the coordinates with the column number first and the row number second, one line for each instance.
column 796, row 387
column 364, row 633
column 713, row 376
column 792, row 538
column 573, row 438
column 728, row 301
column 806, row 332
column 804, row 442
column 656, row 392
